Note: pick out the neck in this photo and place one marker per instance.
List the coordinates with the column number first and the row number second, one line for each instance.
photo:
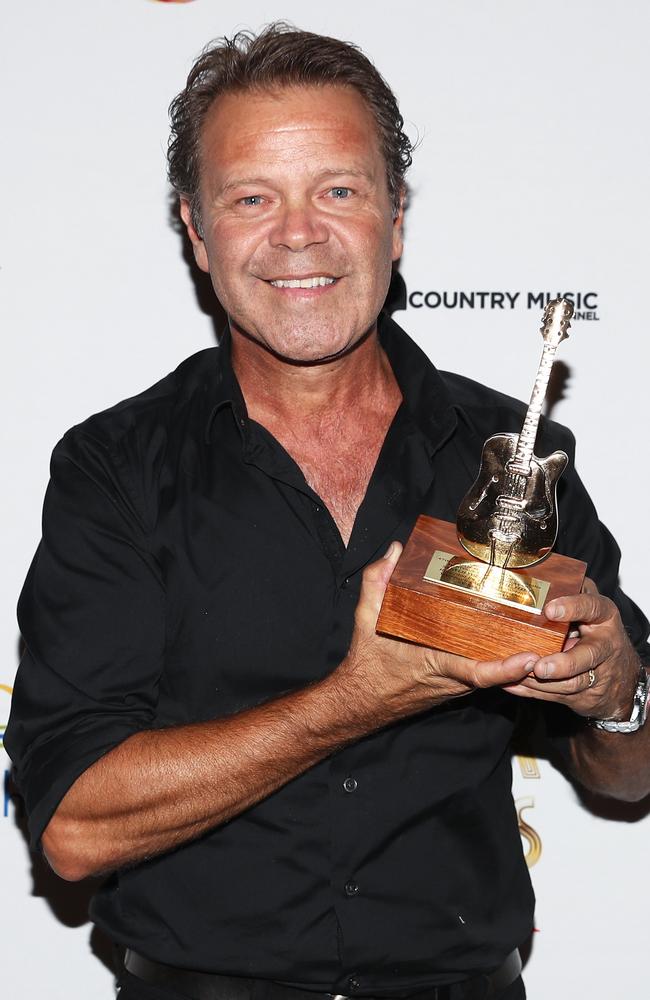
column 526, row 441
column 274, row 388
column 331, row 418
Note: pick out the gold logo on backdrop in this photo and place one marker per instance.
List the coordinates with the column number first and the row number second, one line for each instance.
column 529, row 768
column 3, row 726
column 528, row 833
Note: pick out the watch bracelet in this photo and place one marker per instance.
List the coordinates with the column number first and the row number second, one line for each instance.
column 639, row 708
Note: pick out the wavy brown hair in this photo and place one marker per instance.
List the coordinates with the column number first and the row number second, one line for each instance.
column 279, row 56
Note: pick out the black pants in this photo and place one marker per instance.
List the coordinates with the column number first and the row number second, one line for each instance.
column 131, row 988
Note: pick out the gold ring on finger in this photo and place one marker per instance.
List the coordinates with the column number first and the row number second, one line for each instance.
column 592, row 677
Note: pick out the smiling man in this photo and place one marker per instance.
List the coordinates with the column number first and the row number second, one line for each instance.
column 289, row 805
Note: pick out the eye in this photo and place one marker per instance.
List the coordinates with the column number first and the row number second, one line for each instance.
column 341, row 192
column 251, row 200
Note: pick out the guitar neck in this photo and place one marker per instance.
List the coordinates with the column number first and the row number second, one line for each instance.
column 526, row 443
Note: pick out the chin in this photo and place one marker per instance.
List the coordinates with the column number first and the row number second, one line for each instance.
column 308, row 347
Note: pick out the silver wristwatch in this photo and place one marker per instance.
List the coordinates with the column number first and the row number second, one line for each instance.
column 640, row 709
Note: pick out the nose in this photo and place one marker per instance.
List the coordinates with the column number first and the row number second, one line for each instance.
column 299, row 225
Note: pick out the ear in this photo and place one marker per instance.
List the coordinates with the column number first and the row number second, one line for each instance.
column 398, row 228
column 198, row 246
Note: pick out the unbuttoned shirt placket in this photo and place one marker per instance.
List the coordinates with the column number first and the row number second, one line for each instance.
column 400, row 488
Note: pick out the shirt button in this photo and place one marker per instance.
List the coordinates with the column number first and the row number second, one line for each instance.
column 346, row 583
column 350, row 784
column 351, row 887
column 353, row 984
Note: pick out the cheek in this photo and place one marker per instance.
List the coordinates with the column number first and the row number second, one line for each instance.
column 234, row 244
column 380, row 237
column 367, row 240
column 379, row 249
column 230, row 252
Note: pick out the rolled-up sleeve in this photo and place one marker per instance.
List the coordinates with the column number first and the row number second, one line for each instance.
column 92, row 619
column 583, row 536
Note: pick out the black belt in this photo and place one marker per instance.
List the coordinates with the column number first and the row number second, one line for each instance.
column 209, row 986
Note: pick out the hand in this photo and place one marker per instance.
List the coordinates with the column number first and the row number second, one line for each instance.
column 601, row 653
column 384, row 679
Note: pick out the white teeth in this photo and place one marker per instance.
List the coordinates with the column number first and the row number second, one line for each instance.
column 302, row 282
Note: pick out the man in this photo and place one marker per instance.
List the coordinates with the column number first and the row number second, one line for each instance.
column 290, row 804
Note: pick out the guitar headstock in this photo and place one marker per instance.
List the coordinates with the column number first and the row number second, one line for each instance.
column 556, row 321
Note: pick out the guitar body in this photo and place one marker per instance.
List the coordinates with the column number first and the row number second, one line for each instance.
column 509, row 517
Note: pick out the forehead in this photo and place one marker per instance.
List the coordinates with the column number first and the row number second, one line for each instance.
column 286, row 124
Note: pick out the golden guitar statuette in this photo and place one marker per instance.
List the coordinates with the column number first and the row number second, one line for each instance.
column 468, row 588
column 508, row 519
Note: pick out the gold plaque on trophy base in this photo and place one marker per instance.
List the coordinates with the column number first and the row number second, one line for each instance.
column 498, row 584
column 432, row 613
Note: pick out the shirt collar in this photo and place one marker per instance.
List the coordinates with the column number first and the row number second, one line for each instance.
column 426, row 397
column 225, row 388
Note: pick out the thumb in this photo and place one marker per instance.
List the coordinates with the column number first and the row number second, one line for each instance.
column 373, row 586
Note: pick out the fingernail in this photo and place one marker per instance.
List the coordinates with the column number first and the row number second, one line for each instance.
column 554, row 611
column 530, row 665
column 549, row 669
column 389, row 550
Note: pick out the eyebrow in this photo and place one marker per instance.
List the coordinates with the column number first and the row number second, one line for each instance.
column 244, row 182
column 327, row 172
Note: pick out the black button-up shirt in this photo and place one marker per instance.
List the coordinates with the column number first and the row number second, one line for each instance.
column 187, row 571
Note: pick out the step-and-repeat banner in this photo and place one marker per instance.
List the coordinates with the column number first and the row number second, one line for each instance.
column 530, row 179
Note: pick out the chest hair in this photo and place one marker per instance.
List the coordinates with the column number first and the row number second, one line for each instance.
column 337, row 455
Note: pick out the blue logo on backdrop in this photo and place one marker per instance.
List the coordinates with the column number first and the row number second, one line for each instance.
column 4, row 715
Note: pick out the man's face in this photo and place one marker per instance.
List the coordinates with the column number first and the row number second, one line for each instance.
column 293, row 189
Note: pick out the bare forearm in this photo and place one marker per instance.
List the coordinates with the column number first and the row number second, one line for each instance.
column 598, row 676
column 613, row 764
column 161, row 788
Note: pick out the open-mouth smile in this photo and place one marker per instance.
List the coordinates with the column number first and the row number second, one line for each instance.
column 310, row 282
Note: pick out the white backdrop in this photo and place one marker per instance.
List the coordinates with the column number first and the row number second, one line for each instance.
column 531, row 177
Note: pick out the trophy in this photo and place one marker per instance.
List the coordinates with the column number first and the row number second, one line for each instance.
column 478, row 588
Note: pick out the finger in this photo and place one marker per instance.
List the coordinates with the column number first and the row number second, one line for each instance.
column 539, row 694
column 490, row 673
column 373, row 586
column 571, row 686
column 587, row 608
column 589, row 587
column 585, row 655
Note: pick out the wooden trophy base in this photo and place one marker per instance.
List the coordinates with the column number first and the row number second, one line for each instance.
column 466, row 622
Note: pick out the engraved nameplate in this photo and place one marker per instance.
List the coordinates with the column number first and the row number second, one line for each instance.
column 438, row 563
